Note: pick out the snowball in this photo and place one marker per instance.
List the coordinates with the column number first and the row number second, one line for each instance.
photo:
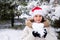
column 38, row 27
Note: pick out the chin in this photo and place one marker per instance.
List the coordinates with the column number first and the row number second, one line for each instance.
column 38, row 21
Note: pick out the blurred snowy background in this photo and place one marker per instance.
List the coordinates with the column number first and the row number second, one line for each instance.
column 13, row 14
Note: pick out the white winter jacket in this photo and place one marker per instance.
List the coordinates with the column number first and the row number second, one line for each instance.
column 27, row 34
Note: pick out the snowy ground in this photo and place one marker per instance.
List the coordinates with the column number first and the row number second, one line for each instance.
column 10, row 34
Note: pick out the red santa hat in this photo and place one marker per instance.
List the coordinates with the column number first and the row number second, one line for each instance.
column 36, row 10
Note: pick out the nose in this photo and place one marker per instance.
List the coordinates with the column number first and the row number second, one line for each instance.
column 38, row 17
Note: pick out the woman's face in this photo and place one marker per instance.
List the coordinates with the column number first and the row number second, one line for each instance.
column 37, row 18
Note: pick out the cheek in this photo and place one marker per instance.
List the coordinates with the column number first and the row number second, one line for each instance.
column 40, row 18
column 35, row 19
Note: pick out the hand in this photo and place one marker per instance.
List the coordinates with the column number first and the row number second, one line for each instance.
column 45, row 33
column 35, row 34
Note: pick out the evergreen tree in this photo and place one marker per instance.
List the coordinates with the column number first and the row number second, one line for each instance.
column 56, row 23
column 7, row 12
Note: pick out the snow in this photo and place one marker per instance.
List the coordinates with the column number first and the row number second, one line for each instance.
column 16, row 17
column 51, row 1
column 22, row 16
column 19, row 7
column 18, row 23
column 32, row 4
column 54, row 18
column 46, row 8
column 10, row 34
column 57, row 30
column 39, row 29
column 57, row 12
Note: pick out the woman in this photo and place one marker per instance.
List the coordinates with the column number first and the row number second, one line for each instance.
column 37, row 17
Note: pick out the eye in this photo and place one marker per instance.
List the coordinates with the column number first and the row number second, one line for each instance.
column 40, row 16
column 36, row 16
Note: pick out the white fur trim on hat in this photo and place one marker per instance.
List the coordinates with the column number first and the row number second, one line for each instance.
column 40, row 12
